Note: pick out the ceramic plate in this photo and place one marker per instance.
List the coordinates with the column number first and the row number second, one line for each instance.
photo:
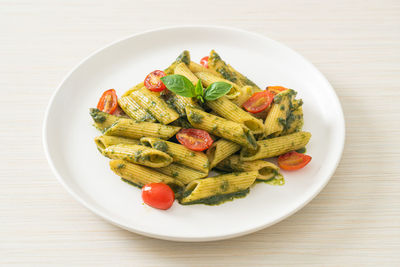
column 68, row 132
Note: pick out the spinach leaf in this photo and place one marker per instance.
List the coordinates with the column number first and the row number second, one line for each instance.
column 216, row 90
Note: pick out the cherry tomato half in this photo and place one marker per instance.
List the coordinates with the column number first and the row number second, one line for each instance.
column 153, row 81
column 108, row 101
column 258, row 102
column 276, row 89
column 194, row 139
column 293, row 161
column 158, row 195
column 204, row 62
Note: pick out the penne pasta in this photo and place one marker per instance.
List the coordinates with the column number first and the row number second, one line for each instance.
column 227, row 109
column 220, row 150
column 182, row 69
column 276, row 146
column 139, row 175
column 105, row 141
column 228, row 72
column 218, row 188
column 279, row 111
column 135, row 130
column 195, row 67
column 155, row 105
column 138, row 154
column 134, row 110
column 179, row 153
column 221, row 127
column 267, row 171
column 133, row 88
column 182, row 173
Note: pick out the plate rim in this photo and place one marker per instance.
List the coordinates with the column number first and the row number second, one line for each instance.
column 182, row 238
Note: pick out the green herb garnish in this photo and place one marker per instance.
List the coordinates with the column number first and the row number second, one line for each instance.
column 182, row 86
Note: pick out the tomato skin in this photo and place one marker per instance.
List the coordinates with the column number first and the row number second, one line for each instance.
column 293, row 161
column 158, row 195
column 153, row 81
column 204, row 62
column 276, row 89
column 258, row 102
column 194, row 139
column 108, row 101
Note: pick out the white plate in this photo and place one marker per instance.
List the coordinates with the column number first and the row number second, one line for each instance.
column 72, row 154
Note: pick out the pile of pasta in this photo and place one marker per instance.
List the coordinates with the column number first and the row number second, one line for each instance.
column 142, row 147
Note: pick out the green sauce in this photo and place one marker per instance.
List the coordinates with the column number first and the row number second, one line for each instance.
column 196, row 118
column 184, row 57
column 132, row 183
column 97, row 115
column 121, row 166
column 160, row 145
column 301, row 150
column 217, row 199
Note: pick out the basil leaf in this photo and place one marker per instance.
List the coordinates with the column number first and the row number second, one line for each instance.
column 216, row 90
column 198, row 90
column 179, row 84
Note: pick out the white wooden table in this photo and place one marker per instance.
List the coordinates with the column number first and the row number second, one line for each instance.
column 355, row 221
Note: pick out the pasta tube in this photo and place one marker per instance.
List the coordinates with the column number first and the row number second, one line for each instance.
column 182, row 173
column 155, row 105
column 266, row 170
column 183, row 57
column 227, row 109
column 220, row 150
column 134, row 88
column 105, row 141
column 182, row 69
column 213, row 190
column 276, row 146
column 195, row 67
column 139, row 175
column 221, row 127
column 228, row 72
column 179, row 153
column 131, row 129
column 138, row 154
column 278, row 112
column 133, row 110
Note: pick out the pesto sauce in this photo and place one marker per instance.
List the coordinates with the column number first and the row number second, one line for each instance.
column 301, row 150
column 217, row 199
column 132, row 183
column 250, row 139
column 184, row 57
column 97, row 115
column 196, row 118
column 160, row 145
column 121, row 166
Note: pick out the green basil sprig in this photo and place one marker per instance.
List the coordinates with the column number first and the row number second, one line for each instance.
column 181, row 85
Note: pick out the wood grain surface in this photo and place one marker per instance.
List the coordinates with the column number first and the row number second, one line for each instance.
column 355, row 221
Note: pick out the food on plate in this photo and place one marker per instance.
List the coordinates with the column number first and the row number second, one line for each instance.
column 171, row 133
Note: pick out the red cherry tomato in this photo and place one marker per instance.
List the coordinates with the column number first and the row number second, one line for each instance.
column 158, row 195
column 293, row 161
column 108, row 101
column 204, row 62
column 258, row 102
column 194, row 139
column 276, row 89
column 153, row 81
